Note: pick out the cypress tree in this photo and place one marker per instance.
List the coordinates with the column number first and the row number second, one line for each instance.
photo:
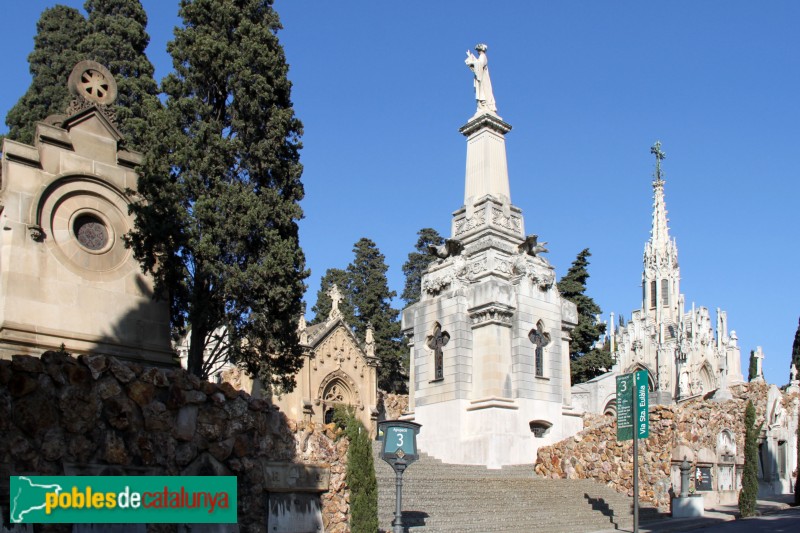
column 752, row 371
column 59, row 31
column 117, row 39
column 418, row 262
column 372, row 302
column 587, row 362
column 797, row 480
column 749, row 492
column 360, row 474
column 220, row 188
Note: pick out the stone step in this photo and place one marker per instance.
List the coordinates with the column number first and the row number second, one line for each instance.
column 445, row 498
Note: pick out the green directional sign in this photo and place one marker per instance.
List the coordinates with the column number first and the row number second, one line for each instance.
column 625, row 414
column 642, row 413
column 632, row 406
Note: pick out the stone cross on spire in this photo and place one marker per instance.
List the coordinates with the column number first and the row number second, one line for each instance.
column 335, row 297
column 656, row 151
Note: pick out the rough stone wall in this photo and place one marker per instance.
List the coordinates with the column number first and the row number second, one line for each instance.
column 122, row 417
column 595, row 453
column 394, row 405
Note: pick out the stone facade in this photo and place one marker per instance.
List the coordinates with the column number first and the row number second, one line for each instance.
column 97, row 415
column 489, row 337
column 64, row 205
column 684, row 353
column 710, row 435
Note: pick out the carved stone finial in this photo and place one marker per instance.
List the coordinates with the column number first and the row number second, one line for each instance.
column 369, row 341
column 92, row 84
column 335, row 297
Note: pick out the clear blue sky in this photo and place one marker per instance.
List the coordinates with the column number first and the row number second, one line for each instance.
column 588, row 87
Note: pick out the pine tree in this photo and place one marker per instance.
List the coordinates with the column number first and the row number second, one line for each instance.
column 418, row 262
column 752, row 371
column 372, row 302
column 117, row 39
column 220, row 189
column 796, row 349
column 322, row 308
column 59, row 31
column 749, row 492
column 360, row 474
column 587, row 362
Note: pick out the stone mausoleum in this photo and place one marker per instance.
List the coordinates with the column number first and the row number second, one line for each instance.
column 66, row 277
column 489, row 337
column 685, row 353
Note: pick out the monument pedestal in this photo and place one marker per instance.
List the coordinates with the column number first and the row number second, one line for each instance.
column 690, row 507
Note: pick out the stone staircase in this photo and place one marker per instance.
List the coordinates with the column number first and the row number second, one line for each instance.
column 472, row 499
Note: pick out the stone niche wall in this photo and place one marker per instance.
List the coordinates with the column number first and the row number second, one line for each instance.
column 393, row 405
column 595, row 453
column 96, row 415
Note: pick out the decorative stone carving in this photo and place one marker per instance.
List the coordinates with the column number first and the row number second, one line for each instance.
column 335, row 297
column 511, row 222
column 369, row 341
column 531, row 246
column 436, row 342
column 451, row 247
column 36, row 232
column 491, row 314
column 469, row 223
column 435, row 285
column 92, row 85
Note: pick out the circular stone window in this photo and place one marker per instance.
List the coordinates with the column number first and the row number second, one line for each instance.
column 91, row 232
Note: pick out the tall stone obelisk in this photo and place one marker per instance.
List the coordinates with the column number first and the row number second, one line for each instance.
column 489, row 337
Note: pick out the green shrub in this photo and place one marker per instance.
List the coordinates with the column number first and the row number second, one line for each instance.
column 749, row 492
column 360, row 475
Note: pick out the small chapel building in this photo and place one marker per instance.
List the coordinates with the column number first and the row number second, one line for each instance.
column 67, row 281
column 686, row 354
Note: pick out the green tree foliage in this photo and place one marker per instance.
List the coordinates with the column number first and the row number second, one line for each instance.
column 322, row 308
column 372, row 302
column 367, row 299
column 749, row 492
column 117, row 39
column 59, row 31
column 752, row 371
column 360, row 474
column 796, row 349
column 220, row 188
column 586, row 361
column 418, row 262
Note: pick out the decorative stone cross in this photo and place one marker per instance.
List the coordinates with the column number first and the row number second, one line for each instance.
column 437, row 342
column 656, row 151
column 335, row 297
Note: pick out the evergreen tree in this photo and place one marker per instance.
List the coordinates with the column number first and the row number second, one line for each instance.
column 749, row 492
column 418, row 262
column 752, row 371
column 796, row 349
column 586, row 361
column 59, row 31
column 220, row 188
column 797, row 480
column 360, row 475
column 322, row 308
column 117, row 39
column 372, row 302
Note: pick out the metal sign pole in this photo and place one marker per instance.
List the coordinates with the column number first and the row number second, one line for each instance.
column 636, row 479
column 397, row 523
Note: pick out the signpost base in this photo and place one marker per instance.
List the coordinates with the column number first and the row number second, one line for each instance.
column 397, row 523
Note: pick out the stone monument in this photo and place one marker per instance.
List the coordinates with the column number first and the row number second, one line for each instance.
column 489, row 338
column 66, row 277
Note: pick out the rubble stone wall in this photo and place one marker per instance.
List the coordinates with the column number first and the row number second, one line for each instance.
column 595, row 453
column 57, row 412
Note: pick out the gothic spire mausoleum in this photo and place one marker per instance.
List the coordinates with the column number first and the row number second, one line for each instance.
column 489, row 337
column 683, row 354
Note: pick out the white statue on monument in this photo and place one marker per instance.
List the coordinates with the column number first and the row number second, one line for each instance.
column 483, row 85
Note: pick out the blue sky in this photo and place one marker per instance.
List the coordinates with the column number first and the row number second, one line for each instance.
column 588, row 86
